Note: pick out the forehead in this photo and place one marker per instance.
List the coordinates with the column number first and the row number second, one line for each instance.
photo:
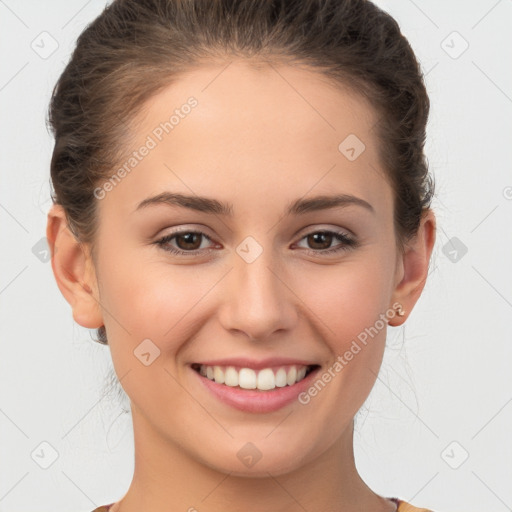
column 249, row 103
column 273, row 132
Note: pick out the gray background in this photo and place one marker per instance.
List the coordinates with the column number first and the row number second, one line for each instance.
column 436, row 428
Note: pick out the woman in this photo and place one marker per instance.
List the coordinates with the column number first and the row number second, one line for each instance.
column 241, row 207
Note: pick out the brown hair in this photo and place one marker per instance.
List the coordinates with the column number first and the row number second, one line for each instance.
column 135, row 48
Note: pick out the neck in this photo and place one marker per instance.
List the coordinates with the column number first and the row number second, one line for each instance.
column 166, row 478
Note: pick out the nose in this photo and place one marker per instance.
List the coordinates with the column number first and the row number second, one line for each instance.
column 259, row 301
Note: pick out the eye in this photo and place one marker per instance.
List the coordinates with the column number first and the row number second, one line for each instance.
column 321, row 241
column 188, row 242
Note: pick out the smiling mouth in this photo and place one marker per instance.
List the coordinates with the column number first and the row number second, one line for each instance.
column 265, row 379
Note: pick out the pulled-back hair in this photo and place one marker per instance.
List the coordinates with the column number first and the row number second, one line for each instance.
column 135, row 48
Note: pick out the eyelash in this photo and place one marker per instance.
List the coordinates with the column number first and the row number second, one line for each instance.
column 347, row 244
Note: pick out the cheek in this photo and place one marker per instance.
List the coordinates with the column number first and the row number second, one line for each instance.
column 348, row 306
column 156, row 303
column 152, row 301
column 145, row 297
column 347, row 298
column 142, row 299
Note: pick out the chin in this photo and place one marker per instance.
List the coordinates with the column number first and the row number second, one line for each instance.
column 250, row 462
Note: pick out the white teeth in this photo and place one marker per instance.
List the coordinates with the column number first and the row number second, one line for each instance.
column 266, row 379
column 218, row 374
column 281, row 378
column 247, row 378
column 291, row 377
column 230, row 376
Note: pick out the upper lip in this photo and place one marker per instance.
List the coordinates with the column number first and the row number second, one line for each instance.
column 245, row 362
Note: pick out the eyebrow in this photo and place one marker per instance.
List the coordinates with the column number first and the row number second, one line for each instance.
column 212, row 206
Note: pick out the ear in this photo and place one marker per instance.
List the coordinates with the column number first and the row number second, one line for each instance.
column 73, row 270
column 413, row 267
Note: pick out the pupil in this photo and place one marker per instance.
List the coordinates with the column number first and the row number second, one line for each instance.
column 188, row 236
column 317, row 235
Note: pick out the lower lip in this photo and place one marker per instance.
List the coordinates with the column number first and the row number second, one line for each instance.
column 250, row 400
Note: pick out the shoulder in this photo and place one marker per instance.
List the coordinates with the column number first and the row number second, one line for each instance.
column 403, row 506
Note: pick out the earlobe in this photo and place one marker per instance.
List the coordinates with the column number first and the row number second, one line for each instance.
column 73, row 270
column 415, row 264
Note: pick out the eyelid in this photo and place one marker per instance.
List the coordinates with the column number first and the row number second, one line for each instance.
column 347, row 241
column 166, row 239
column 307, row 230
column 313, row 228
column 186, row 228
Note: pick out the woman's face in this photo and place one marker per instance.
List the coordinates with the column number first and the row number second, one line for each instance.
column 258, row 283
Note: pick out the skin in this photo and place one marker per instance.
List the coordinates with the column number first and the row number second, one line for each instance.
column 258, row 139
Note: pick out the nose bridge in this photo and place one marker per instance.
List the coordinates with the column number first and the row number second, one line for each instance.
column 257, row 279
column 259, row 303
